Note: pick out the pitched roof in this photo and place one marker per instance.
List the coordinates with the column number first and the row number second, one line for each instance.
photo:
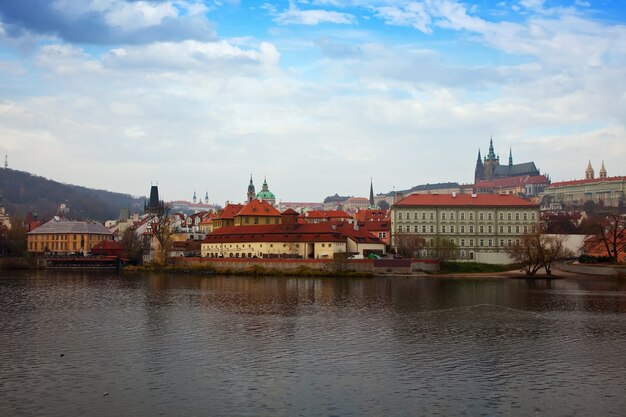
column 108, row 245
column 513, row 181
column 229, row 211
column 589, row 181
column 476, row 200
column 258, row 208
column 290, row 211
column 526, row 168
column 323, row 214
column 57, row 225
column 371, row 215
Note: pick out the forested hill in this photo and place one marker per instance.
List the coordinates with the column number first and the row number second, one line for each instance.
column 23, row 192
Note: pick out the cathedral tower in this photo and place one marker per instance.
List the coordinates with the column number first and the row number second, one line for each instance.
column 589, row 173
column 251, row 190
column 602, row 171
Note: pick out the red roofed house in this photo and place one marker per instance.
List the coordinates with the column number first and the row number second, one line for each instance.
column 227, row 216
column 480, row 225
column 257, row 212
column 108, row 248
column 318, row 216
column 288, row 238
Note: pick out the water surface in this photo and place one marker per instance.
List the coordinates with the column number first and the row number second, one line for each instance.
column 146, row 345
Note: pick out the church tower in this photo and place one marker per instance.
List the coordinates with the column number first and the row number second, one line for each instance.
column 195, row 199
column 589, row 174
column 372, row 204
column 251, row 190
column 479, row 172
column 206, row 198
column 491, row 162
column 602, row 171
column 510, row 157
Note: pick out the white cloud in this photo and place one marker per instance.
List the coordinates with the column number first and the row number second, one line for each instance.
column 294, row 15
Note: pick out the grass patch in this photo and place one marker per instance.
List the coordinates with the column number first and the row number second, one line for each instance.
column 474, row 267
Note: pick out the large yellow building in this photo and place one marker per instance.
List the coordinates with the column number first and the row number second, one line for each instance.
column 480, row 226
column 61, row 236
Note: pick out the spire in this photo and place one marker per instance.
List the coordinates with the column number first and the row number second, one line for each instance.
column 195, row 199
column 510, row 157
column 371, row 193
column 479, row 161
column 602, row 171
column 251, row 190
column 206, row 198
column 491, row 155
column 265, row 187
column 589, row 174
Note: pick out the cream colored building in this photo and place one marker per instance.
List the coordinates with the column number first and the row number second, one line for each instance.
column 606, row 190
column 61, row 236
column 479, row 225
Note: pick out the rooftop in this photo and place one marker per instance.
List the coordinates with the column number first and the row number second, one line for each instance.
column 477, row 200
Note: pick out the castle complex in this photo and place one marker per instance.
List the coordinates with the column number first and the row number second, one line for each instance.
column 489, row 168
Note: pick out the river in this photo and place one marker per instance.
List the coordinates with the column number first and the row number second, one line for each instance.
column 101, row 344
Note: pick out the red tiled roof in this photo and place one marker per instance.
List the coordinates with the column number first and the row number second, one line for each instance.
column 229, row 211
column 513, row 181
column 330, row 214
column 589, row 181
column 258, row 208
column 476, row 200
column 290, row 211
column 369, row 215
column 108, row 245
column 320, row 232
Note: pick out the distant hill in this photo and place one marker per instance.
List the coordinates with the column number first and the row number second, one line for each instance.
column 23, row 192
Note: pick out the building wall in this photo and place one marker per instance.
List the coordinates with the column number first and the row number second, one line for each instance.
column 60, row 243
column 610, row 192
column 254, row 220
column 259, row 249
column 471, row 229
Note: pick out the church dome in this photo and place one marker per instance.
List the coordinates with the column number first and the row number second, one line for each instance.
column 265, row 195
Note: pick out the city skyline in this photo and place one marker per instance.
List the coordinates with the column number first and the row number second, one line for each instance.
column 316, row 96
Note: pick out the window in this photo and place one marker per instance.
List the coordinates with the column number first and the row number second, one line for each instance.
column 532, row 216
column 471, row 242
column 471, row 229
column 508, row 216
column 451, row 215
column 501, row 216
column 432, row 229
column 533, row 228
column 415, row 216
column 423, row 229
column 501, row 242
column 432, row 216
column 501, row 229
column 256, row 220
column 490, row 242
column 525, row 216
column 471, row 216
column 525, row 229
column 323, row 245
column 516, row 229
column 462, row 216
column 416, row 229
column 267, row 220
column 452, row 229
column 462, row 229
column 489, row 217
column 508, row 229
column 508, row 242
column 489, row 229
column 443, row 229
column 462, row 242
column 482, row 242
column 423, row 216
column 481, row 216
column 400, row 228
column 482, row 229
column 516, row 216
column 443, row 216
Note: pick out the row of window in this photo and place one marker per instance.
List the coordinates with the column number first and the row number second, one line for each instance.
column 451, row 229
column 480, row 242
column 481, row 215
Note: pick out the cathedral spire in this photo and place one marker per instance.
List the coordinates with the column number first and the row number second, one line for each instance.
column 589, row 173
column 602, row 171
column 195, row 199
column 372, row 206
column 491, row 155
column 510, row 157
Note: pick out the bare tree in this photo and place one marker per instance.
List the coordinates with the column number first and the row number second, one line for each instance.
column 525, row 253
column 611, row 234
column 134, row 245
column 408, row 244
column 445, row 249
column 162, row 226
column 535, row 251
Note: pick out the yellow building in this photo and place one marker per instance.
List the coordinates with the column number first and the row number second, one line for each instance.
column 61, row 236
column 257, row 212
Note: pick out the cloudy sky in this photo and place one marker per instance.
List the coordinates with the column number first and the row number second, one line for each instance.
column 317, row 95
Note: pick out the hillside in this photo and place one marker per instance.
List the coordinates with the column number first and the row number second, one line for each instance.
column 23, row 192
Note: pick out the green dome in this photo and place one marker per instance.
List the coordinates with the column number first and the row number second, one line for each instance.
column 265, row 195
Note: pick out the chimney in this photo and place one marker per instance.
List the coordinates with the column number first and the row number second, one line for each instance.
column 453, row 194
column 473, row 195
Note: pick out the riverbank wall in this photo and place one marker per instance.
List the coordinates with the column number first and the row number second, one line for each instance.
column 367, row 266
column 599, row 270
column 9, row 263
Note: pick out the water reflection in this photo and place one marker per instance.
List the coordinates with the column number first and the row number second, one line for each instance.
column 192, row 345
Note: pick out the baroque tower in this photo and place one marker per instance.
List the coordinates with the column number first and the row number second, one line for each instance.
column 589, row 173
column 251, row 190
